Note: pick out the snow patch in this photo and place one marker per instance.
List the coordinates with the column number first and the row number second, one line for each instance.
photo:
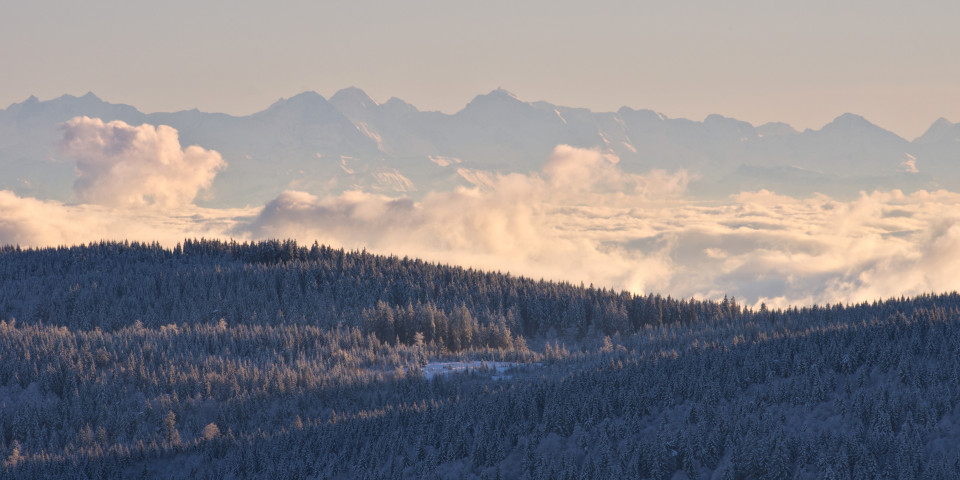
column 390, row 179
column 910, row 164
column 343, row 164
column 604, row 138
column 444, row 161
column 370, row 133
column 478, row 178
column 497, row 369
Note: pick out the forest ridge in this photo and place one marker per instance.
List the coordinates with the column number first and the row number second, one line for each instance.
column 216, row 359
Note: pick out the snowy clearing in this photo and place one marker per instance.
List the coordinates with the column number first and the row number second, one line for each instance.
column 497, row 369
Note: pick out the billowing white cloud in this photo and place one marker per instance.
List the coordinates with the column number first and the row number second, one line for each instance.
column 572, row 171
column 123, row 165
column 517, row 223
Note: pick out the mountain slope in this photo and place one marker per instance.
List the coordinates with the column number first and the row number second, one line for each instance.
column 307, row 142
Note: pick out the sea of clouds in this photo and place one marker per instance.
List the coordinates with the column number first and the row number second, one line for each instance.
column 579, row 219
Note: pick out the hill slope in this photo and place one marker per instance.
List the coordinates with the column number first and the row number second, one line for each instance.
column 217, row 360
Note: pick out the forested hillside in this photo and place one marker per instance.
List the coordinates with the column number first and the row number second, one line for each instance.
column 225, row 360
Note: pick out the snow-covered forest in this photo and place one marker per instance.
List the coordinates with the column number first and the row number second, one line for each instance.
column 224, row 360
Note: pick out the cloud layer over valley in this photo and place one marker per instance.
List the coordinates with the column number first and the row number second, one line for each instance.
column 579, row 218
column 758, row 246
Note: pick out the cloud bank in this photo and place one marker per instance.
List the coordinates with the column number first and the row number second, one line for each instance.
column 579, row 219
column 516, row 223
column 30, row 222
column 122, row 165
column 582, row 219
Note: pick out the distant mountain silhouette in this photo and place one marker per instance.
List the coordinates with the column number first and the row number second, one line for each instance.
column 350, row 141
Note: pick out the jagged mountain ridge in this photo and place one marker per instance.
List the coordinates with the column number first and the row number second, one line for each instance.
column 350, row 141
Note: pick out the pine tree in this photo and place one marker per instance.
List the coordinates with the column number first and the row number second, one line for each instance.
column 171, row 434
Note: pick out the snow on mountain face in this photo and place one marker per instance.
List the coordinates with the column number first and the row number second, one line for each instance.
column 444, row 161
column 396, row 148
column 391, row 180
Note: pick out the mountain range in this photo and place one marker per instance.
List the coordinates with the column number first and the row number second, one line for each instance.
column 349, row 141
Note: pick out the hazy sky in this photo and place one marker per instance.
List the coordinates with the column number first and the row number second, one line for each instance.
column 894, row 62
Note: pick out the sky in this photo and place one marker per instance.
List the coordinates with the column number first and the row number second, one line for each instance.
column 803, row 63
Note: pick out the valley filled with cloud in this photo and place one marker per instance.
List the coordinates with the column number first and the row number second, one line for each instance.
column 579, row 217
